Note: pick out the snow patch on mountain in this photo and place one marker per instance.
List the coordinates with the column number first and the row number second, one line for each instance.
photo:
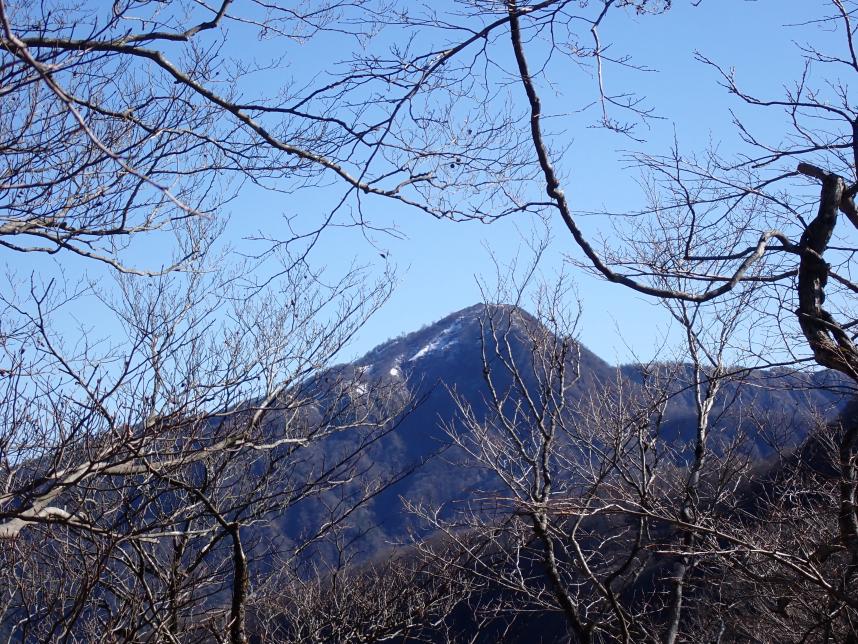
column 440, row 342
column 429, row 347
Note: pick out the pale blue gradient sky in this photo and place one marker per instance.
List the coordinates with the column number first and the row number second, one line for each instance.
column 438, row 262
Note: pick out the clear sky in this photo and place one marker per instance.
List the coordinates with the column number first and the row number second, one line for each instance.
column 438, row 262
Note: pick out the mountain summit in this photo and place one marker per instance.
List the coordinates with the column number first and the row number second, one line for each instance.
column 445, row 364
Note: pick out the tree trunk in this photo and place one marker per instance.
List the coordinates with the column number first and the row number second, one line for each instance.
column 240, row 585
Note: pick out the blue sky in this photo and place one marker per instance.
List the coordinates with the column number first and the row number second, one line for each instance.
column 438, row 263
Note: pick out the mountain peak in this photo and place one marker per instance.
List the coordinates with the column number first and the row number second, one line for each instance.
column 440, row 336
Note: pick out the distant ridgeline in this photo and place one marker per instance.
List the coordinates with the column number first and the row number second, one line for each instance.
column 768, row 409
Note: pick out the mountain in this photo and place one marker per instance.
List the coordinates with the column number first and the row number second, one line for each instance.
column 774, row 408
column 292, row 505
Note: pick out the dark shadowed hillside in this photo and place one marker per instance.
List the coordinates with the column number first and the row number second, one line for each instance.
column 767, row 407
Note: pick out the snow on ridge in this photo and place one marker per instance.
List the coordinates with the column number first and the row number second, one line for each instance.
column 440, row 341
column 429, row 347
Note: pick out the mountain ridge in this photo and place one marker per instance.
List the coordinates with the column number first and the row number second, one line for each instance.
column 445, row 356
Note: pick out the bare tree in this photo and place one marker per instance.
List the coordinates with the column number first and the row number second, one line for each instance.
column 598, row 510
column 137, row 472
column 135, row 118
column 143, row 481
column 713, row 229
column 405, row 597
column 143, row 118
